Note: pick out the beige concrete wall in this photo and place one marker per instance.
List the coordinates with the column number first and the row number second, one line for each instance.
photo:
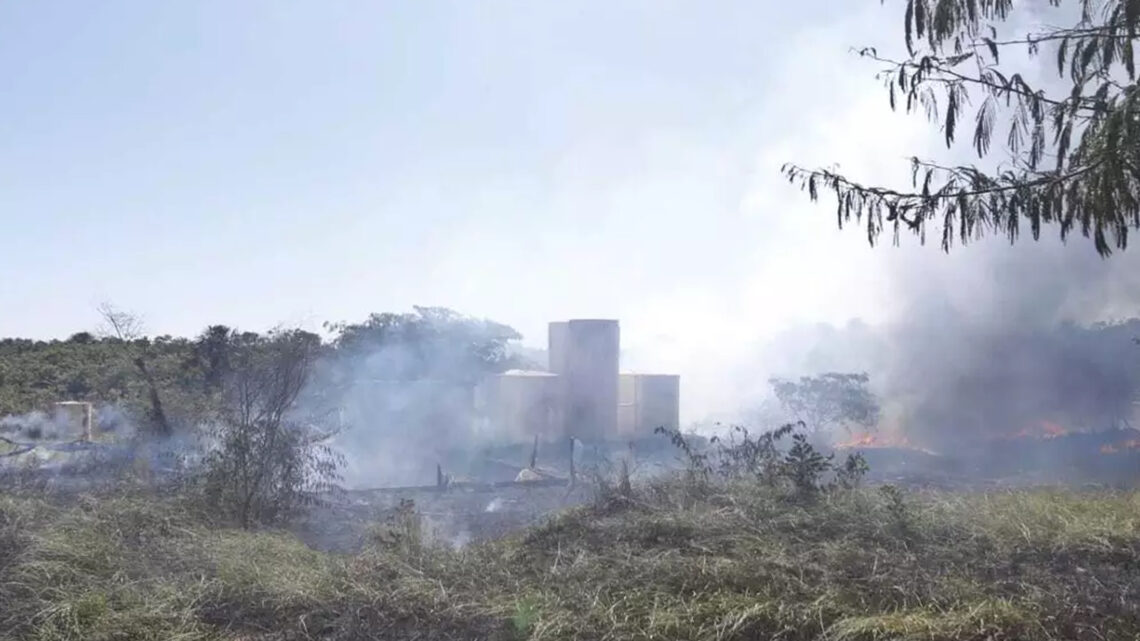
column 517, row 406
column 648, row 401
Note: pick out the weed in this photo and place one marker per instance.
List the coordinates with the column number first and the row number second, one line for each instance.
column 897, row 510
column 401, row 530
column 850, row 476
column 805, row 466
column 698, row 467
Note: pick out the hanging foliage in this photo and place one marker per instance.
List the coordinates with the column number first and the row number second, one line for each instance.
column 1074, row 157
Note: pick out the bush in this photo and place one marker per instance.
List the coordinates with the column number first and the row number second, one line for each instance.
column 800, row 468
column 612, row 485
column 267, row 462
column 804, row 466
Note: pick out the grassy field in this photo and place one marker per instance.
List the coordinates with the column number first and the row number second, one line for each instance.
column 733, row 562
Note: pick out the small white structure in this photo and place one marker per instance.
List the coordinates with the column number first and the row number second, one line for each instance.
column 77, row 417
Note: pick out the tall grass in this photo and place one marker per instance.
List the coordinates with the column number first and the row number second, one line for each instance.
column 735, row 560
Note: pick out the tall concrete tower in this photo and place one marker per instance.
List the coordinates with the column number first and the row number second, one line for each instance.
column 584, row 354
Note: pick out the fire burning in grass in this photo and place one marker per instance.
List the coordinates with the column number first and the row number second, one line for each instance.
column 874, row 440
column 1047, row 430
column 1116, row 448
column 880, row 440
column 1043, row 429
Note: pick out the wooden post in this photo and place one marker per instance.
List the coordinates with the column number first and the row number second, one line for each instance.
column 534, row 453
column 88, row 421
column 572, row 479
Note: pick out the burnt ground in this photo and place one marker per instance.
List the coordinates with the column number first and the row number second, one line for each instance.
column 471, row 513
column 1109, row 458
column 456, row 515
column 460, row 515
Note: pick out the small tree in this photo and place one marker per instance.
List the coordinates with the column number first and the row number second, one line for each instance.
column 851, row 474
column 268, row 460
column 127, row 328
column 829, row 400
column 805, row 466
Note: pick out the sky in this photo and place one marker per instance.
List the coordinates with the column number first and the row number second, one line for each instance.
column 263, row 163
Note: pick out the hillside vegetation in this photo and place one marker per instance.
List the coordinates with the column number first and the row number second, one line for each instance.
column 131, row 371
column 674, row 560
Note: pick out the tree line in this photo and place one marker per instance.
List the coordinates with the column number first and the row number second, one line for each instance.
column 164, row 381
column 245, row 418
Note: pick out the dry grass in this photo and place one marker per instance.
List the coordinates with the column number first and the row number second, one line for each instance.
column 736, row 562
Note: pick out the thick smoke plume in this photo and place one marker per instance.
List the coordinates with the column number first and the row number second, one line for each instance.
column 1042, row 337
column 990, row 342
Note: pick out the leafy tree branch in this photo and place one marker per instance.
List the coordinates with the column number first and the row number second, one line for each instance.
column 1090, row 137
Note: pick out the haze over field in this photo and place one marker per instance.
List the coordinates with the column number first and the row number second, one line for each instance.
column 259, row 163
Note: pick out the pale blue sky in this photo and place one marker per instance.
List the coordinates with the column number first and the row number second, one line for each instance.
column 260, row 162
column 264, row 162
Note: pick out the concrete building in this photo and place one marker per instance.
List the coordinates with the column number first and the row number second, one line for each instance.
column 583, row 395
column 584, row 355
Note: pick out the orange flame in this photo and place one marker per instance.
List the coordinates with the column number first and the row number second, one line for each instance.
column 1042, row 430
column 869, row 440
column 865, row 440
column 1131, row 444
